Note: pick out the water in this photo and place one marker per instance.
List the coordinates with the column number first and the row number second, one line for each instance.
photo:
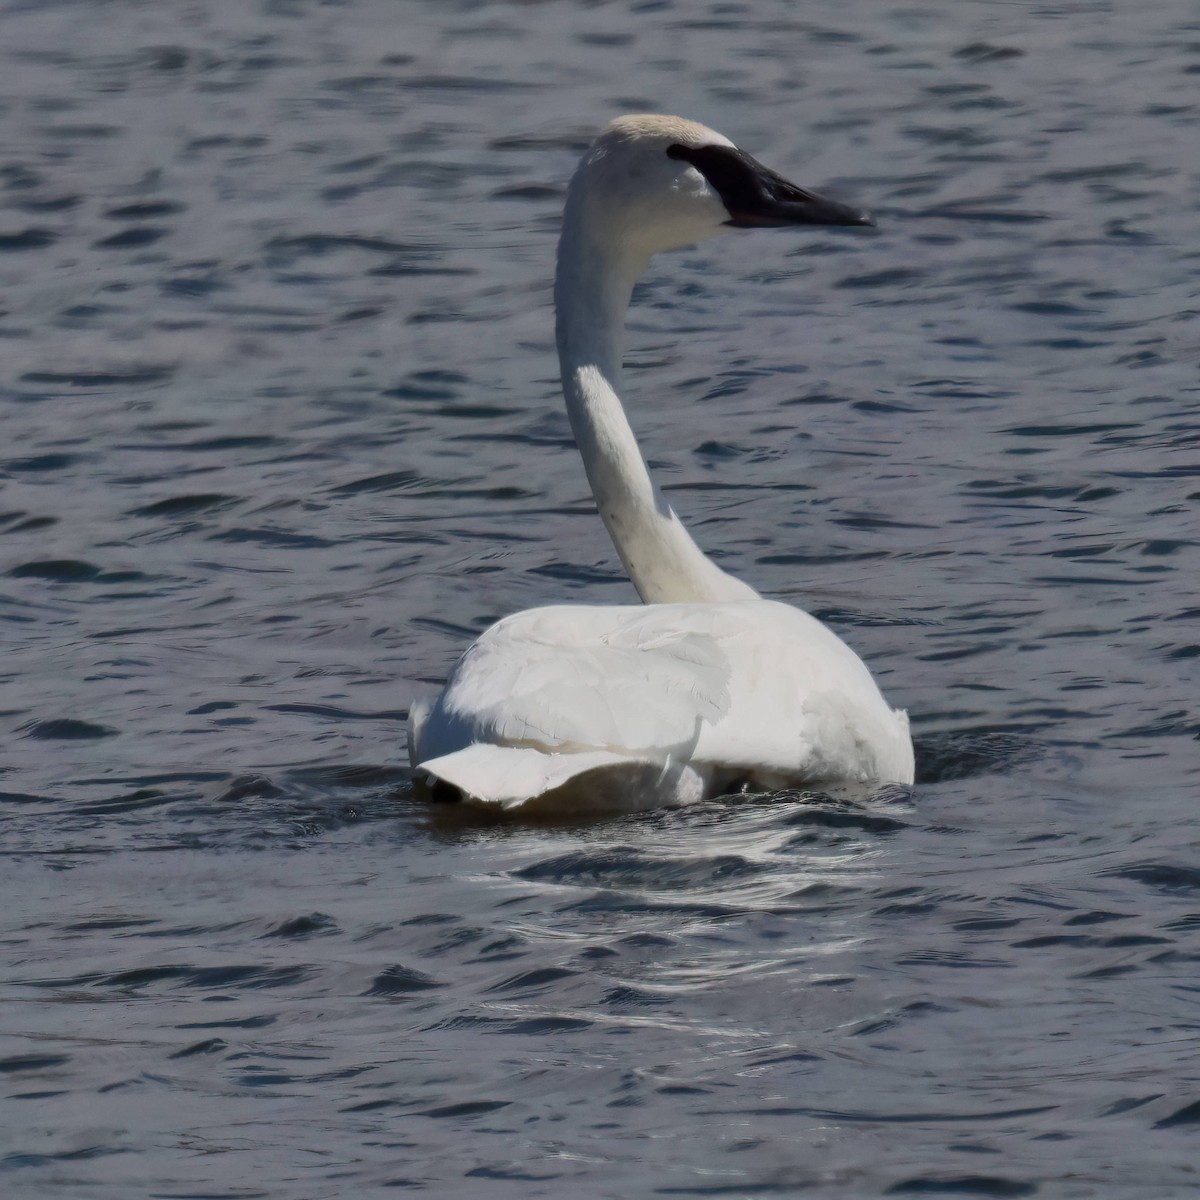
column 282, row 432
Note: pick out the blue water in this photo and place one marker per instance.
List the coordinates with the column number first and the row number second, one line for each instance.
column 282, row 433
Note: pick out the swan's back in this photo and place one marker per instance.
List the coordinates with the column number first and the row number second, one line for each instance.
column 749, row 691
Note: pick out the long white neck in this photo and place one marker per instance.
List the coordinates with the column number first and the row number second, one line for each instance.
column 591, row 292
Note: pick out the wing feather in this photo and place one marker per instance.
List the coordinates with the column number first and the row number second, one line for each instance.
column 620, row 679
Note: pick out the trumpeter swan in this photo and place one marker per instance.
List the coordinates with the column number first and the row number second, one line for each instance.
column 708, row 684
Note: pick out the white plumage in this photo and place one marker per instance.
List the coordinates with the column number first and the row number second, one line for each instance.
column 706, row 686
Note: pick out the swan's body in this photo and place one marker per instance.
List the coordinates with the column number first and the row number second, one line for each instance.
column 707, row 685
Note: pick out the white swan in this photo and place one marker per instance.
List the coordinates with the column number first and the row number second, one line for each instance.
column 708, row 685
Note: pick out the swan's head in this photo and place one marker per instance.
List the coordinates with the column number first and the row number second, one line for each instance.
column 655, row 183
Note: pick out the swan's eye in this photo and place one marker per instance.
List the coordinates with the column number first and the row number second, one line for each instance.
column 730, row 171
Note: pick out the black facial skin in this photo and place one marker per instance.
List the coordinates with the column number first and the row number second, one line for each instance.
column 756, row 197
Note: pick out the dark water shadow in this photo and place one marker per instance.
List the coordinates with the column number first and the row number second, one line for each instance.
column 970, row 753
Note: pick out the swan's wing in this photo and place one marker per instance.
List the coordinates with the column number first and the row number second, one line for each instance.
column 631, row 680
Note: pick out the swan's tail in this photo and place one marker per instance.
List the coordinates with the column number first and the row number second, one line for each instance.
column 522, row 777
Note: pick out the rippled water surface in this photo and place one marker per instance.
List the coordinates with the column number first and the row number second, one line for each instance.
column 282, row 433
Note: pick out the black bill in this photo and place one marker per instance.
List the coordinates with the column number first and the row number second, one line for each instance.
column 755, row 196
